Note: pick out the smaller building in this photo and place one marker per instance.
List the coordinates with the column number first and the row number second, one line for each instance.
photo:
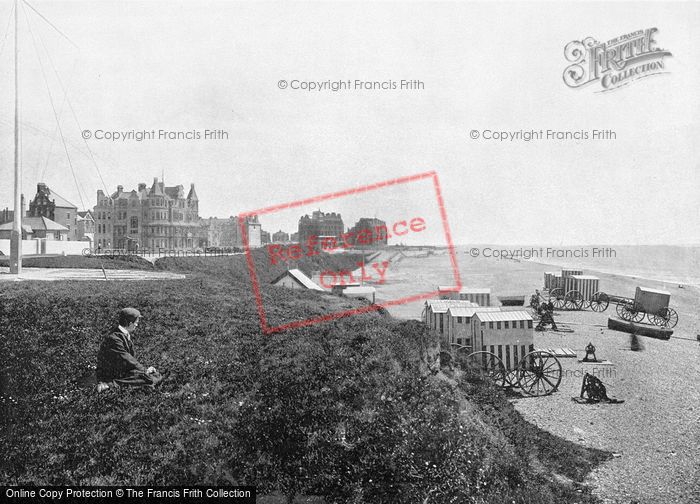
column 296, row 279
column 355, row 290
column 280, row 237
column 6, row 215
column 36, row 227
column 338, row 288
column 360, row 292
column 225, row 233
column 47, row 203
column 86, row 226
column 369, row 232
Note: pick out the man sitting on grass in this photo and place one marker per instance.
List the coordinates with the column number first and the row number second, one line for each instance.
column 116, row 364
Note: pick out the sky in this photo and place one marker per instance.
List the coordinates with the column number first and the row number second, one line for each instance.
column 193, row 66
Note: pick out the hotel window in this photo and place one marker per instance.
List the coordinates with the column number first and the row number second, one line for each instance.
column 490, row 325
column 522, row 324
column 498, row 325
column 459, row 320
column 529, row 324
column 459, row 341
column 505, row 325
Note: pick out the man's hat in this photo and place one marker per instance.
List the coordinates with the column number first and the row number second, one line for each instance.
column 129, row 315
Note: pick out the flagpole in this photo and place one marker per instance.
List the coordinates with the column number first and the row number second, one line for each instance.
column 16, row 235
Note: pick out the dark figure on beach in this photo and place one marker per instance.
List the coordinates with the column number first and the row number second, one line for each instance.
column 546, row 312
column 535, row 300
column 116, row 364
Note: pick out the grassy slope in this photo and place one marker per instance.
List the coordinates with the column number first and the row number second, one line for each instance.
column 210, row 421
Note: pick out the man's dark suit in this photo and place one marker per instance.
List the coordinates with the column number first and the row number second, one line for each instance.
column 116, row 363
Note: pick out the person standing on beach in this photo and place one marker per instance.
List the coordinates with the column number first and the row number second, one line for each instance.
column 116, row 364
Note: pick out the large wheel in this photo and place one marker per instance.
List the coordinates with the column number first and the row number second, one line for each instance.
column 628, row 311
column 484, row 366
column 600, row 302
column 556, row 296
column 539, row 373
column 574, row 300
column 637, row 316
column 665, row 318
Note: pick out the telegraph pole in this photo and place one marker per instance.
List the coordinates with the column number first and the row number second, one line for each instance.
column 16, row 235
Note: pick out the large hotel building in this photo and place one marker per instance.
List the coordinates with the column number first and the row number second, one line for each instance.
column 159, row 217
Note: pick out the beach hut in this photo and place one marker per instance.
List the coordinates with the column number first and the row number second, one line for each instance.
column 507, row 334
column 459, row 323
column 553, row 280
column 570, row 272
column 587, row 285
column 651, row 300
column 480, row 296
column 447, row 292
column 435, row 312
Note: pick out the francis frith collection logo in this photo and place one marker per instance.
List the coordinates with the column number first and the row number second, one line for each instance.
column 615, row 63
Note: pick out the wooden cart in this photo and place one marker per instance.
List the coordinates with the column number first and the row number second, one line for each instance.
column 652, row 303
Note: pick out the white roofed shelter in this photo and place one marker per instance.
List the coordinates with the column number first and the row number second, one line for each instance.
column 296, row 279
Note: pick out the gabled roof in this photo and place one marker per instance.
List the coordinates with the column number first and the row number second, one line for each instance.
column 503, row 316
column 157, row 189
column 175, row 192
column 43, row 223
column 31, row 224
column 8, row 227
column 442, row 305
column 461, row 311
column 300, row 278
column 59, row 200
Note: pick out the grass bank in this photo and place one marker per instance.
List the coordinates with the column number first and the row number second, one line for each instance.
column 343, row 410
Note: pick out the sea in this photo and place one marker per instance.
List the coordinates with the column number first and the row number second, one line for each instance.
column 666, row 263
